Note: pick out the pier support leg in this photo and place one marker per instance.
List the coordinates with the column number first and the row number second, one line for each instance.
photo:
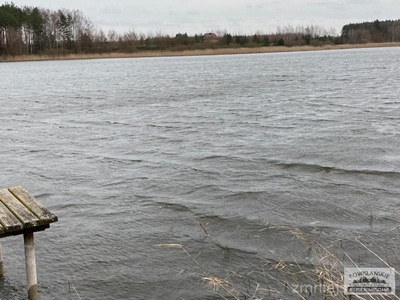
column 1, row 262
column 30, row 266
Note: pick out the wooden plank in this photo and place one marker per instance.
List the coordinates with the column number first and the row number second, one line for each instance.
column 33, row 205
column 22, row 231
column 8, row 221
column 19, row 210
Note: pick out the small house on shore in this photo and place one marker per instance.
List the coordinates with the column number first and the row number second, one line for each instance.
column 211, row 38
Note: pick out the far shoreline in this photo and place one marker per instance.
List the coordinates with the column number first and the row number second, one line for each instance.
column 168, row 53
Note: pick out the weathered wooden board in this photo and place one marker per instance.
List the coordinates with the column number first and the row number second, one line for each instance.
column 33, row 205
column 23, row 214
column 20, row 213
column 8, row 221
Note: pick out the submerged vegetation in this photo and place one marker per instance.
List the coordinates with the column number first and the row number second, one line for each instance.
column 322, row 277
column 38, row 31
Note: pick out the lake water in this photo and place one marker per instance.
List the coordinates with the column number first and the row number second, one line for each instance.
column 134, row 153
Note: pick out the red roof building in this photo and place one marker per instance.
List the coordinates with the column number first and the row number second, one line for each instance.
column 210, row 38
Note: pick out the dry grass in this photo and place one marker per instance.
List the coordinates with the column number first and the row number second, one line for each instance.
column 224, row 51
column 72, row 286
column 322, row 278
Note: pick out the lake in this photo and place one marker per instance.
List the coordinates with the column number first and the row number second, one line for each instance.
column 131, row 154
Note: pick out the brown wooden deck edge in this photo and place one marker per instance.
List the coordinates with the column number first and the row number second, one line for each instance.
column 25, row 230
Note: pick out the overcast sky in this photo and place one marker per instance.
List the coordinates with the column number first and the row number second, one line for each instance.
column 236, row 16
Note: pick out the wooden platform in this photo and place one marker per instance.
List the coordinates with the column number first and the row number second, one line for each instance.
column 20, row 212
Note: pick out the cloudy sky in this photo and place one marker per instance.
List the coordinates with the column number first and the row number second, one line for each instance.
column 236, row 16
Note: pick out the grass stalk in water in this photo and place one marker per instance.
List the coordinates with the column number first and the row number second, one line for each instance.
column 325, row 271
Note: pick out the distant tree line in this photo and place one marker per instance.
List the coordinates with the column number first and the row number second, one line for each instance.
column 32, row 30
column 372, row 32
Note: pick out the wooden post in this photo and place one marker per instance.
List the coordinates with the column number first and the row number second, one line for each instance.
column 1, row 262
column 30, row 266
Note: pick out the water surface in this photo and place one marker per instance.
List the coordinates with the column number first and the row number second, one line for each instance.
column 133, row 153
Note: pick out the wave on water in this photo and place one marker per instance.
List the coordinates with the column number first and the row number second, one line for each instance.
column 306, row 167
column 247, row 195
column 225, row 157
column 164, row 126
column 316, row 168
column 119, row 160
column 233, row 246
column 117, row 123
column 175, row 206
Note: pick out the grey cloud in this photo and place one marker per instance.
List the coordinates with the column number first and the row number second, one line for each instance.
column 193, row 16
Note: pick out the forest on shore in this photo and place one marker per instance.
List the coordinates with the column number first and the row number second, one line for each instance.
column 39, row 31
